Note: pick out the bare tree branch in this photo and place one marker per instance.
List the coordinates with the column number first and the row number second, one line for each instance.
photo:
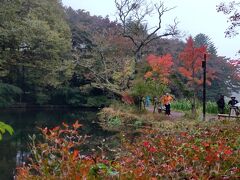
column 137, row 13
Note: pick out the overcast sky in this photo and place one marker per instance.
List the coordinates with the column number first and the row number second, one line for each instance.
column 194, row 16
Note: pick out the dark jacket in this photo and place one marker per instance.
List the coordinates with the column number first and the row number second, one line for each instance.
column 232, row 102
column 221, row 103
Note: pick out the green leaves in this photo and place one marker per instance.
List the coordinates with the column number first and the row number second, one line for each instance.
column 8, row 94
column 5, row 128
column 96, row 169
column 35, row 44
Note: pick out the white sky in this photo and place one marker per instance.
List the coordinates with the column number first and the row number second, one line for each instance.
column 195, row 16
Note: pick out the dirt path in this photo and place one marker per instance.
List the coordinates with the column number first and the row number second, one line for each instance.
column 173, row 116
column 176, row 115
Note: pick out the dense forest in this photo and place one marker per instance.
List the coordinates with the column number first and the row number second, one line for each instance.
column 51, row 54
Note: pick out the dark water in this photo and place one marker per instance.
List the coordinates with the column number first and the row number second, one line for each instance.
column 24, row 122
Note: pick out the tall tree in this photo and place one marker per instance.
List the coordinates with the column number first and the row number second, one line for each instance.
column 35, row 43
column 101, row 54
column 204, row 40
column 160, row 67
column 191, row 67
column 224, row 82
column 134, row 15
column 157, row 78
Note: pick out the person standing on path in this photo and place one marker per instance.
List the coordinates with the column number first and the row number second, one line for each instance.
column 234, row 110
column 166, row 100
column 221, row 104
column 233, row 101
column 147, row 104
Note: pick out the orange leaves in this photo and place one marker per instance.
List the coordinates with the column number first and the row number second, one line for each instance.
column 58, row 149
column 186, row 73
column 163, row 61
column 65, row 125
column 126, row 98
column 191, row 63
column 148, row 74
column 76, row 125
column 75, row 154
column 192, row 56
column 193, row 154
column 160, row 67
column 58, row 157
column 22, row 173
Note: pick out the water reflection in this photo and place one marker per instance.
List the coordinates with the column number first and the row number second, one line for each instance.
column 21, row 157
column 14, row 149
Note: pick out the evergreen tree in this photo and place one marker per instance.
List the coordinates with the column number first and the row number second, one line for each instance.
column 35, row 44
column 222, row 84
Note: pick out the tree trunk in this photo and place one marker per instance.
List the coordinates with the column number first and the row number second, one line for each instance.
column 138, row 55
column 194, row 104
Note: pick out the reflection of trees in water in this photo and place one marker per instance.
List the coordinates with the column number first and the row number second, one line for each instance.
column 14, row 149
column 21, row 157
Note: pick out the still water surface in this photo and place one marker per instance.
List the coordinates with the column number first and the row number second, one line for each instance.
column 25, row 123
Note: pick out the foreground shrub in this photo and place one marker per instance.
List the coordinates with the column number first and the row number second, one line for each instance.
column 206, row 151
column 58, row 157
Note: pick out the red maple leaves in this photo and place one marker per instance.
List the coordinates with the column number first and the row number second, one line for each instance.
column 160, row 67
column 191, row 63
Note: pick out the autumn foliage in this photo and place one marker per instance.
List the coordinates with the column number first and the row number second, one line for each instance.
column 201, row 152
column 160, row 67
column 235, row 69
column 205, row 153
column 191, row 68
column 191, row 64
column 126, row 98
column 58, row 157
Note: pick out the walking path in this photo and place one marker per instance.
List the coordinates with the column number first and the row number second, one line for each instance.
column 176, row 115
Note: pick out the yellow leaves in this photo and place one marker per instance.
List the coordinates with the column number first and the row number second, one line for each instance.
column 124, row 71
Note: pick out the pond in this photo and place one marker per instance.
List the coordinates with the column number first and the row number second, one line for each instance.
column 14, row 148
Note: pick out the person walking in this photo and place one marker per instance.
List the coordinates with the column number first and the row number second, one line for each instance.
column 166, row 100
column 221, row 104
